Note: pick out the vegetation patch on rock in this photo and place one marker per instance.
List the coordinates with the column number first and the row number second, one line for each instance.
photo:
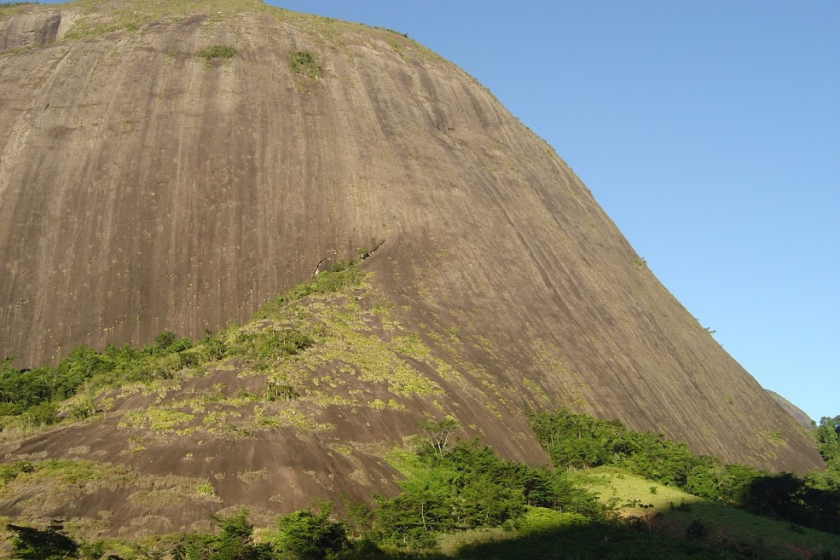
column 217, row 51
column 306, row 64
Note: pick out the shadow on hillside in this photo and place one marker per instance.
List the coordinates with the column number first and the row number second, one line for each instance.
column 579, row 542
column 752, row 535
column 595, row 540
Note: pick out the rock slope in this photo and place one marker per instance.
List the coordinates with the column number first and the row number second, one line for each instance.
column 144, row 187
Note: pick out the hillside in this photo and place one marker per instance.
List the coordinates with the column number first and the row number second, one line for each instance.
column 669, row 511
column 148, row 185
column 298, row 405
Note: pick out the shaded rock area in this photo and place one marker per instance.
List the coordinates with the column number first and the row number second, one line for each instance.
column 800, row 415
column 23, row 30
column 143, row 188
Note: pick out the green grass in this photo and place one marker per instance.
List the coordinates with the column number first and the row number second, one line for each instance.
column 548, row 534
column 12, row 8
column 629, row 492
column 669, row 511
column 217, row 51
column 325, row 283
column 344, row 341
column 131, row 16
column 158, row 420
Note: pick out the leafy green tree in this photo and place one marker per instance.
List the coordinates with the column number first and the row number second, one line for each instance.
column 214, row 346
column 359, row 517
column 304, row 535
column 464, row 485
column 580, row 441
column 567, row 497
column 439, row 435
column 828, row 441
column 234, row 542
column 42, row 414
column 165, row 339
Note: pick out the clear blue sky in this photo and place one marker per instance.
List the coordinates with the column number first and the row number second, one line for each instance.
column 709, row 131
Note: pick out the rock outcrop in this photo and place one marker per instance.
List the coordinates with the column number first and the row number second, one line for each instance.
column 143, row 188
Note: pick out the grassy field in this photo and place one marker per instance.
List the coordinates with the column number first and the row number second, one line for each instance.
column 548, row 534
column 651, row 522
column 669, row 511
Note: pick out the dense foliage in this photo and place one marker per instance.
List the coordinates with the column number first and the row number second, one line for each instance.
column 34, row 394
column 310, row 536
column 234, row 541
column 305, row 63
column 828, row 442
column 467, row 487
column 580, row 441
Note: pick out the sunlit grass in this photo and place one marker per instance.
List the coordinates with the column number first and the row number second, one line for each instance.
column 669, row 510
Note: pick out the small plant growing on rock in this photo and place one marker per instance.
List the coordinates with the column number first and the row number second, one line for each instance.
column 280, row 392
column 305, row 63
column 217, row 51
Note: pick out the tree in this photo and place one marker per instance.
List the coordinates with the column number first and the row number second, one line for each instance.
column 440, row 435
column 165, row 339
column 233, row 542
column 308, row 536
column 828, row 441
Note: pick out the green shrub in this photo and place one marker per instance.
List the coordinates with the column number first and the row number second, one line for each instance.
column 234, row 542
column 271, row 344
column 11, row 471
column 42, row 414
column 217, row 51
column 308, row 536
column 305, row 63
column 466, row 486
column 165, row 339
column 82, row 408
column 280, row 392
column 342, row 276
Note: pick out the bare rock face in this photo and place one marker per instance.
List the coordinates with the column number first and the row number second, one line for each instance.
column 28, row 30
column 800, row 415
column 144, row 188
